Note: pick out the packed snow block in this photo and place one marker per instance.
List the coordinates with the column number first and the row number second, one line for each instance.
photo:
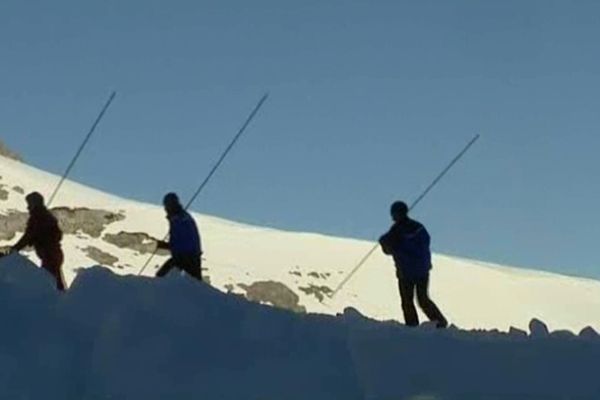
column 17, row 272
column 589, row 333
column 516, row 332
column 352, row 315
column 26, row 292
column 538, row 329
column 32, row 342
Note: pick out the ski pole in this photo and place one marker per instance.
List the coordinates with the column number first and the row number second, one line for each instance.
column 80, row 150
column 413, row 205
column 215, row 167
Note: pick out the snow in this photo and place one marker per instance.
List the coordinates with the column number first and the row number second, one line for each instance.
column 472, row 294
column 127, row 337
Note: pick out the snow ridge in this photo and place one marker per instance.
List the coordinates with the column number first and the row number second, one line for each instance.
column 123, row 337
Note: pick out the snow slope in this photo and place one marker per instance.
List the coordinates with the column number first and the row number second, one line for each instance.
column 124, row 337
column 293, row 270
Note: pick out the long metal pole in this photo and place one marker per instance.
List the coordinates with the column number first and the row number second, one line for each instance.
column 80, row 150
column 216, row 166
column 413, row 205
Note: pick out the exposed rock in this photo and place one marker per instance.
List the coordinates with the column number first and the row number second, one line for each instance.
column 72, row 221
column 11, row 223
column 18, row 189
column 318, row 275
column 3, row 193
column 85, row 220
column 137, row 241
column 538, row 329
column 296, row 273
column 6, row 152
column 275, row 293
column 100, row 256
column 589, row 333
column 318, row 291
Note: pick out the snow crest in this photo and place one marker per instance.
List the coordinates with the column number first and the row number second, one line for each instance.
column 127, row 337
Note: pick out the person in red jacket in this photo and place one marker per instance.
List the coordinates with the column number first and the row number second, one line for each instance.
column 44, row 234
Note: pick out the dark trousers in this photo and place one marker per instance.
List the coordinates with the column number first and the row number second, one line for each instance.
column 407, row 293
column 52, row 261
column 190, row 264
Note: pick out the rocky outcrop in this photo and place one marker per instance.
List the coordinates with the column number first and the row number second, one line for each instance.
column 85, row 220
column 71, row 220
column 274, row 293
column 3, row 192
column 11, row 223
column 319, row 275
column 6, row 152
column 100, row 256
column 137, row 241
column 318, row 291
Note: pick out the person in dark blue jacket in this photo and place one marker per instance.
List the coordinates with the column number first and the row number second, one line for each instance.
column 184, row 240
column 408, row 242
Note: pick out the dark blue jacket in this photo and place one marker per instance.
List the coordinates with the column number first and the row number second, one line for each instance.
column 184, row 238
column 408, row 242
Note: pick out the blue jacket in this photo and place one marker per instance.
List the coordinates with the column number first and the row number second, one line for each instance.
column 408, row 242
column 184, row 238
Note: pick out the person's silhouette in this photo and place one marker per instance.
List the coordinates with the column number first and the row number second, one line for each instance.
column 184, row 240
column 44, row 234
column 408, row 242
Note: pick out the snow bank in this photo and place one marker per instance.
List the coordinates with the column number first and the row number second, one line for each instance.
column 124, row 337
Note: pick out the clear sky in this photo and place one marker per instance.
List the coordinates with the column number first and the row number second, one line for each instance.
column 369, row 100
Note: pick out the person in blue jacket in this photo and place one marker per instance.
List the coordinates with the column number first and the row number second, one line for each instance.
column 408, row 242
column 184, row 240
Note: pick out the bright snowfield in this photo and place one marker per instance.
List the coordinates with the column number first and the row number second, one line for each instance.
column 294, row 270
column 125, row 337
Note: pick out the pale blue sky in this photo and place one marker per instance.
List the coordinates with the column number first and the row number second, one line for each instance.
column 369, row 100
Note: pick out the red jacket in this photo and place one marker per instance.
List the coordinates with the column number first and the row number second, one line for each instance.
column 42, row 232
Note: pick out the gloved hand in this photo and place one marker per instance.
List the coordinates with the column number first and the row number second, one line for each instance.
column 385, row 245
column 161, row 244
